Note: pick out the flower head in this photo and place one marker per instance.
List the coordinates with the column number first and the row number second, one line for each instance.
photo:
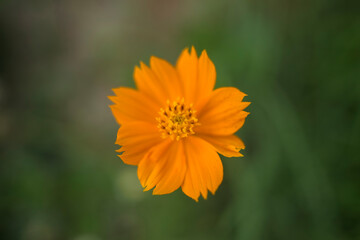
column 174, row 125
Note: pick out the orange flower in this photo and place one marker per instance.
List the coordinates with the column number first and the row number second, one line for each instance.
column 175, row 123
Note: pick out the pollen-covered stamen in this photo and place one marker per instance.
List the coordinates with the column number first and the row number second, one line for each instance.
column 177, row 120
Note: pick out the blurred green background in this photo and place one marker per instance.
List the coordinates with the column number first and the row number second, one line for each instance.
column 298, row 61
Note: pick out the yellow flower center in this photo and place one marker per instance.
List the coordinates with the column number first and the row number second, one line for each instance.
column 177, row 120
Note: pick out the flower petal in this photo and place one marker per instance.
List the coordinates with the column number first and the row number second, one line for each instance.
column 229, row 146
column 207, row 78
column 187, row 67
column 131, row 105
column 204, row 168
column 198, row 76
column 136, row 139
column 168, row 77
column 163, row 167
column 160, row 82
column 223, row 114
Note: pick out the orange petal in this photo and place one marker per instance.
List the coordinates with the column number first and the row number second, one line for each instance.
column 187, row 67
column 229, row 146
column 168, row 78
column 205, row 170
column 131, row 105
column 207, row 78
column 160, row 82
column 223, row 114
column 136, row 139
column 198, row 75
column 163, row 167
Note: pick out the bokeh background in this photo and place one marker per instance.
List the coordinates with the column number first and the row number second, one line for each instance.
column 298, row 61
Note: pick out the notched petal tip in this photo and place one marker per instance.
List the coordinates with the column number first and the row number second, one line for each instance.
column 204, row 195
column 136, row 71
column 188, row 53
column 246, row 104
column 193, row 51
column 113, row 99
column 147, row 188
column 143, row 65
column 119, row 151
column 185, row 50
column 204, row 54
column 196, row 199
column 153, row 60
column 245, row 114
